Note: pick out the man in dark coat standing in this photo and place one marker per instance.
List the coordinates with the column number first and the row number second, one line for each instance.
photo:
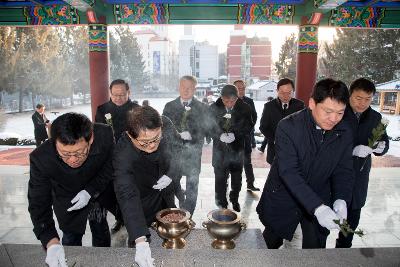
column 363, row 119
column 40, row 123
column 145, row 161
column 248, row 167
column 232, row 122
column 71, row 173
column 277, row 109
column 311, row 178
column 190, row 118
column 114, row 113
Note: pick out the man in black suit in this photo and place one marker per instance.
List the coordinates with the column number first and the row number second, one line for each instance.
column 363, row 120
column 114, row 113
column 40, row 122
column 71, row 174
column 277, row 109
column 311, row 178
column 248, row 167
column 189, row 116
column 231, row 122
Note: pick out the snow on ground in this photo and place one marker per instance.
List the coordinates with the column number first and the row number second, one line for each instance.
column 21, row 124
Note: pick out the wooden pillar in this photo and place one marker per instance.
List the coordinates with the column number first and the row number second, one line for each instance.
column 381, row 101
column 307, row 54
column 98, row 63
column 397, row 108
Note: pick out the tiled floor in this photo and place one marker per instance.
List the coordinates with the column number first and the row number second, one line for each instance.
column 380, row 217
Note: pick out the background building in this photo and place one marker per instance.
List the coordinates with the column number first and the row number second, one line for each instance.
column 249, row 59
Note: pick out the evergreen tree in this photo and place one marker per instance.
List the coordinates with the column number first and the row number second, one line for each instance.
column 126, row 60
column 355, row 53
column 286, row 65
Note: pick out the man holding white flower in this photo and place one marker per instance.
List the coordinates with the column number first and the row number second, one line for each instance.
column 231, row 120
column 363, row 120
column 114, row 113
column 189, row 116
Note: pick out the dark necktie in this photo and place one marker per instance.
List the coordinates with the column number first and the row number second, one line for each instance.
column 358, row 115
column 285, row 106
column 185, row 104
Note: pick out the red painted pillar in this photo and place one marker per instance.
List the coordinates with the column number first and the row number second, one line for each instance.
column 307, row 54
column 98, row 63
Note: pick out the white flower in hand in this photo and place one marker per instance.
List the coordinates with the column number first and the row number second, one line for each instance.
column 108, row 116
column 227, row 116
column 385, row 121
column 187, row 108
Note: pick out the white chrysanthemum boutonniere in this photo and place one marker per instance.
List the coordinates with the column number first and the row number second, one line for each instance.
column 227, row 124
column 108, row 119
column 184, row 118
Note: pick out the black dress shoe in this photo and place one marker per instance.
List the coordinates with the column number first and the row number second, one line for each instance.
column 236, row 206
column 117, row 226
column 252, row 188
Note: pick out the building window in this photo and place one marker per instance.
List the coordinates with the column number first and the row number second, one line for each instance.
column 197, row 53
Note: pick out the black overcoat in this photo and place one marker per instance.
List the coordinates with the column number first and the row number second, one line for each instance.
column 118, row 113
column 362, row 130
column 309, row 169
column 272, row 114
column 53, row 184
column 241, row 124
column 135, row 173
column 39, row 123
column 248, row 139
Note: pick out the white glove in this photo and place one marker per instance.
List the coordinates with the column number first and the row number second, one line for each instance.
column 56, row 256
column 227, row 138
column 362, row 151
column 381, row 146
column 325, row 216
column 162, row 183
column 143, row 255
column 81, row 199
column 340, row 207
column 186, row 135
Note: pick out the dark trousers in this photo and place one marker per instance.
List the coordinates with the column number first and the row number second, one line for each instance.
column 221, row 184
column 248, row 169
column 100, row 235
column 263, row 144
column 188, row 199
column 313, row 237
column 353, row 218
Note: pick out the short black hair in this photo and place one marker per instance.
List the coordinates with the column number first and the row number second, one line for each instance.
column 284, row 81
column 39, row 106
column 364, row 85
column 70, row 127
column 330, row 88
column 142, row 118
column 119, row 81
column 229, row 90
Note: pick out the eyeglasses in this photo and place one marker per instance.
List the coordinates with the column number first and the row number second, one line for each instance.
column 78, row 155
column 119, row 96
column 145, row 144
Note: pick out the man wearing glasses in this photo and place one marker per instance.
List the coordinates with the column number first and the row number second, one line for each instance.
column 114, row 113
column 144, row 161
column 71, row 175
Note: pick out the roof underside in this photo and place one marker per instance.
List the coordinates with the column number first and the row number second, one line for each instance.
column 358, row 13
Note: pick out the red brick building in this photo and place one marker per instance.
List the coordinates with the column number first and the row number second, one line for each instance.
column 248, row 58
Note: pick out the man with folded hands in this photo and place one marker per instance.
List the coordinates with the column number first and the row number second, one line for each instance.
column 311, row 177
column 145, row 160
column 231, row 121
column 71, row 174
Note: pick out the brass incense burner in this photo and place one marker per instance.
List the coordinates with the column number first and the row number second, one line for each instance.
column 173, row 225
column 224, row 226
